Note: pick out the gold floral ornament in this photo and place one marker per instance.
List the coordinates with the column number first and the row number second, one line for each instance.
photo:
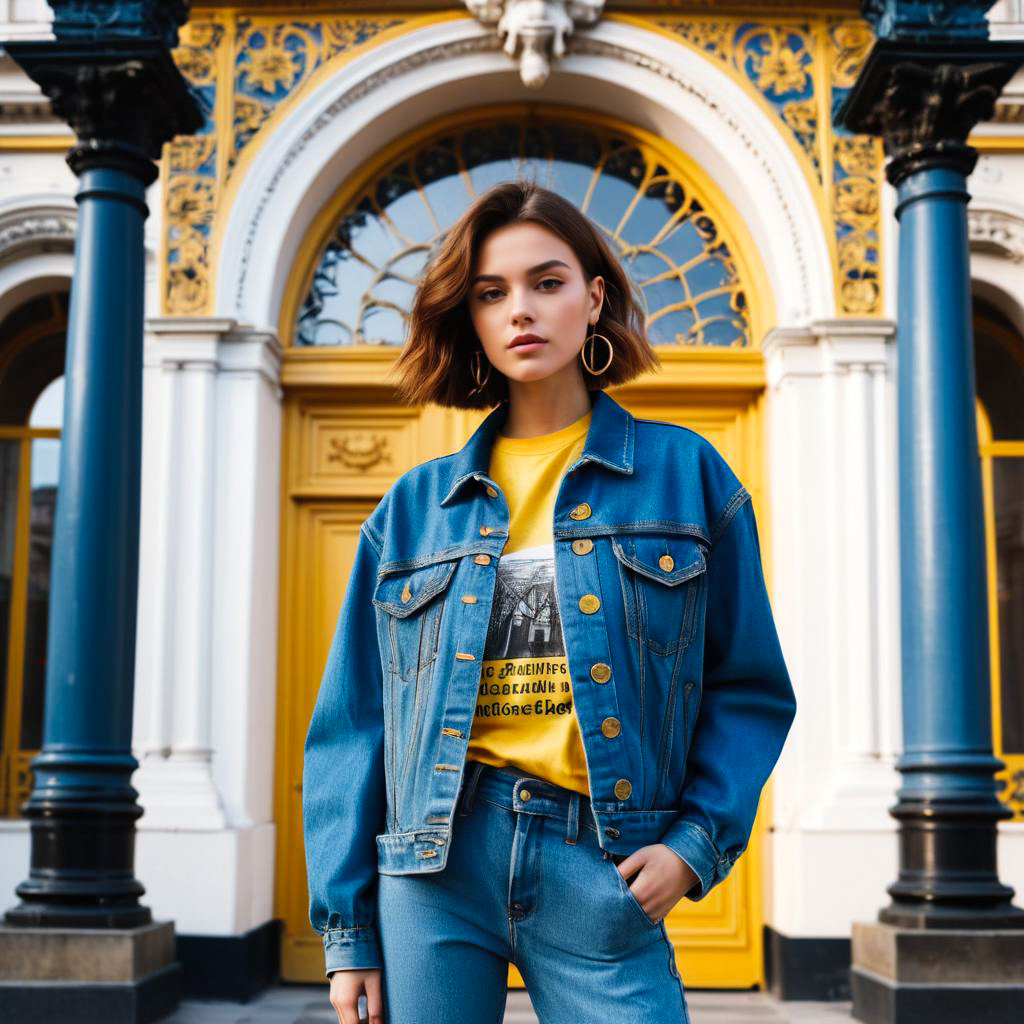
column 852, row 40
column 780, row 70
column 270, row 69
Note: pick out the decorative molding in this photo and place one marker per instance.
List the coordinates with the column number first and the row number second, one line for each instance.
column 357, row 451
column 40, row 229
column 244, row 67
column 996, row 232
column 327, row 119
column 535, row 31
column 673, row 74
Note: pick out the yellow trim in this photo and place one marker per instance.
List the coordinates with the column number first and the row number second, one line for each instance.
column 996, row 143
column 760, row 299
column 36, row 143
column 283, row 111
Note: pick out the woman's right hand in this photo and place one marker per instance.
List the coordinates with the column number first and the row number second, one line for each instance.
column 346, row 988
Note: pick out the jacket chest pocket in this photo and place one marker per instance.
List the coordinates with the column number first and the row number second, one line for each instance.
column 662, row 581
column 412, row 601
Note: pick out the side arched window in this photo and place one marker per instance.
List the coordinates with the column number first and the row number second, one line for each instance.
column 999, row 370
column 31, row 415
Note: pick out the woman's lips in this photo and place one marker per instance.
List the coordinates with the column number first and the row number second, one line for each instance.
column 528, row 346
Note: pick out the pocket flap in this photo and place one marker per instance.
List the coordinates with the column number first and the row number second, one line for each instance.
column 401, row 593
column 668, row 559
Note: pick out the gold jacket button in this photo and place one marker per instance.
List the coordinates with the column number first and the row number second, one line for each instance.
column 491, row 492
column 611, row 728
column 524, row 794
column 582, row 547
column 623, row 788
column 667, row 562
column 589, row 603
column 581, row 511
column 406, row 593
column 600, row 672
column 486, row 531
column 482, row 559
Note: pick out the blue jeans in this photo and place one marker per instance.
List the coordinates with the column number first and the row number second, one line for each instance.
column 526, row 882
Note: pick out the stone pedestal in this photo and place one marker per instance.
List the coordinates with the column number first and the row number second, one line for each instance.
column 924, row 976
column 94, row 975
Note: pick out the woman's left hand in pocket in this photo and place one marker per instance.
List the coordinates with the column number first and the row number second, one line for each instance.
column 664, row 878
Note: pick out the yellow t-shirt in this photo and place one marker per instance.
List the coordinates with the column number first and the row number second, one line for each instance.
column 524, row 712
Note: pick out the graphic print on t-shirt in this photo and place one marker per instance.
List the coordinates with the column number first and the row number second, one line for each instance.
column 524, row 678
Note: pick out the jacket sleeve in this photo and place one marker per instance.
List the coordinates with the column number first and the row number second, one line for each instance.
column 746, row 709
column 343, row 788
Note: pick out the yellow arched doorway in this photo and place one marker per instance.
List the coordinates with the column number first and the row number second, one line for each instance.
column 346, row 439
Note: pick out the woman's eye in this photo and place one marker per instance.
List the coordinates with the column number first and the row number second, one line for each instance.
column 490, row 291
column 550, row 280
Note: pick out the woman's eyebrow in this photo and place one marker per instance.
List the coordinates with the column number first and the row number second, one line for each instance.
column 533, row 270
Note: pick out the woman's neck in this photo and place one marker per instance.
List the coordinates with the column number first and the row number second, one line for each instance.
column 543, row 406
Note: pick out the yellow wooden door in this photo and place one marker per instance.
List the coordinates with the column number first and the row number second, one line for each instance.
column 342, row 449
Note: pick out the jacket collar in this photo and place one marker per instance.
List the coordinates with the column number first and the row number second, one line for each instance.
column 609, row 442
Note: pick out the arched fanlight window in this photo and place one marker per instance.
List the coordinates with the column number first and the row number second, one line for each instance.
column 641, row 195
column 31, row 416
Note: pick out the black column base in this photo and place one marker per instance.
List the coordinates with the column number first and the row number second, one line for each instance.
column 880, row 1001
column 913, row 976
column 81, row 872
column 947, row 856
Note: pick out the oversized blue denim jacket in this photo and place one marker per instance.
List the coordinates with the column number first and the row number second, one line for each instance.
column 697, row 681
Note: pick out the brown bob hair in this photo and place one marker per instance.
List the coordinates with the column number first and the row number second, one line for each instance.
column 434, row 365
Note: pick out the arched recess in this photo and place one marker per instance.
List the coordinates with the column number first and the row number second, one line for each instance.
column 997, row 269
column 32, row 343
column 344, row 116
column 37, row 243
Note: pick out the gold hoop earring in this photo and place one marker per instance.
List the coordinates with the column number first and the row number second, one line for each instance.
column 583, row 354
column 475, row 370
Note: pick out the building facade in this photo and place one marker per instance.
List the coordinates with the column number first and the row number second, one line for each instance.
column 283, row 245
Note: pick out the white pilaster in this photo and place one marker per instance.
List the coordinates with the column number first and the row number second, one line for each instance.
column 206, row 651
column 832, row 473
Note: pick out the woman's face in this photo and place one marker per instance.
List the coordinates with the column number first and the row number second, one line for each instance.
column 527, row 281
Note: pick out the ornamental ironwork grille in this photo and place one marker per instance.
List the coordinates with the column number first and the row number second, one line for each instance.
column 677, row 256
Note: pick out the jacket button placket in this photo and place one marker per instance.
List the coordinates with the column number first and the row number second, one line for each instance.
column 590, row 659
column 472, row 605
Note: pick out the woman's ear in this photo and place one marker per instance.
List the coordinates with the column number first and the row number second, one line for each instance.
column 596, row 297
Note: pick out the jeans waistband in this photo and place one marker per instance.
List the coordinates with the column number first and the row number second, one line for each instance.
column 519, row 791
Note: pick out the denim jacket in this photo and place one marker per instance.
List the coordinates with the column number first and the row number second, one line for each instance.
column 681, row 650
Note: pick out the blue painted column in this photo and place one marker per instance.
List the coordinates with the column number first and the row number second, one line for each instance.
column 109, row 73
column 947, row 804
column 930, row 78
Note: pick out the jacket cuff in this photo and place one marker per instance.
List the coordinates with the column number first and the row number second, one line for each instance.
column 691, row 843
column 348, row 949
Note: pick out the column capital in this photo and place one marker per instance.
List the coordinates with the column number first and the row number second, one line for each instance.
column 925, row 97
column 123, row 98
column 90, row 19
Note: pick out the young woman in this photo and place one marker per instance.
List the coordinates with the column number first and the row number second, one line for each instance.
column 555, row 691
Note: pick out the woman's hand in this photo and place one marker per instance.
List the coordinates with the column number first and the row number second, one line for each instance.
column 664, row 879
column 346, row 988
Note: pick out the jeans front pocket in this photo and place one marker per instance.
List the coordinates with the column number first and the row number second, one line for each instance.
column 627, row 895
